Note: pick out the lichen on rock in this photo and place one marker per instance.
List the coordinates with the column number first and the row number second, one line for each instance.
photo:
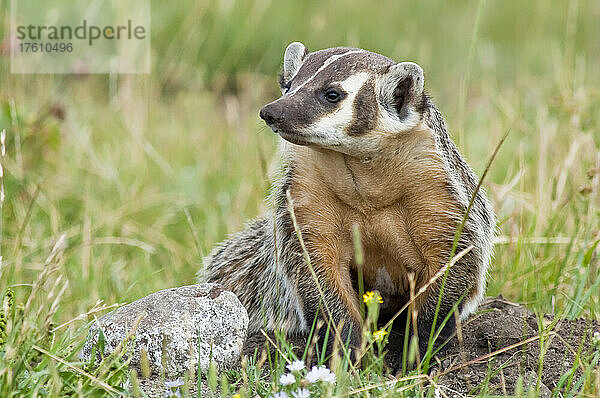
column 179, row 329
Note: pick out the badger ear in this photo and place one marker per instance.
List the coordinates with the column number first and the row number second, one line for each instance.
column 403, row 85
column 292, row 61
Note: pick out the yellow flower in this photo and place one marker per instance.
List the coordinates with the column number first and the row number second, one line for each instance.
column 236, row 396
column 379, row 335
column 369, row 297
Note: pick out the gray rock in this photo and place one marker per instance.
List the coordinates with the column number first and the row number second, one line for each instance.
column 530, row 383
column 177, row 328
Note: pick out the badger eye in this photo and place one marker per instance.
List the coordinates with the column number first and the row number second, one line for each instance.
column 332, row 96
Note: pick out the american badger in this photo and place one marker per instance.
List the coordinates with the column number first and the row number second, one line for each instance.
column 365, row 147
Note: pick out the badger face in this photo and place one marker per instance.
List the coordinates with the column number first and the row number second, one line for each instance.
column 345, row 99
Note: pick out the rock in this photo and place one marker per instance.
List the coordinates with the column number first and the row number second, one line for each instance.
column 531, row 383
column 177, row 328
column 155, row 387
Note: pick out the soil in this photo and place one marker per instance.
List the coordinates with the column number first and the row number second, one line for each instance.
column 500, row 349
column 503, row 326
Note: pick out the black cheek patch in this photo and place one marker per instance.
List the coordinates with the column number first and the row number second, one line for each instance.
column 364, row 111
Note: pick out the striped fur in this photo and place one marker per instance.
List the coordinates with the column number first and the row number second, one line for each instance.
column 379, row 158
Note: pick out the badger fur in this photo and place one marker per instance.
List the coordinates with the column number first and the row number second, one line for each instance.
column 365, row 148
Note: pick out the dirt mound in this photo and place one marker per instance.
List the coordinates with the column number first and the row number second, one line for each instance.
column 499, row 349
column 512, row 333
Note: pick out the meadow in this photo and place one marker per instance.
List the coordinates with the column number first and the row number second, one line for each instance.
column 116, row 186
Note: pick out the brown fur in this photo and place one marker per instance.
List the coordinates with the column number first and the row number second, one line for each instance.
column 385, row 165
column 386, row 198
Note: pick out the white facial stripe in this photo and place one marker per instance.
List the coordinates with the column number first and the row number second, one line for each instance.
column 327, row 62
column 330, row 130
column 341, row 117
column 353, row 84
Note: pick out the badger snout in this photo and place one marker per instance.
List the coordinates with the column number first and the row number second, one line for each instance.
column 273, row 114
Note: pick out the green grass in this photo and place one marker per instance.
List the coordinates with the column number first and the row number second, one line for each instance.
column 145, row 173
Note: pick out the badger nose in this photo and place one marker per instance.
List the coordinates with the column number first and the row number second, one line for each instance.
column 272, row 113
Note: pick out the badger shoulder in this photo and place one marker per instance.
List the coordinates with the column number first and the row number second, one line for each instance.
column 463, row 179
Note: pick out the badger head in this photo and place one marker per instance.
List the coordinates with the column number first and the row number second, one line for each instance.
column 345, row 99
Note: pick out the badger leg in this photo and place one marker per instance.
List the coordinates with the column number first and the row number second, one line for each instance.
column 334, row 300
column 427, row 320
column 458, row 286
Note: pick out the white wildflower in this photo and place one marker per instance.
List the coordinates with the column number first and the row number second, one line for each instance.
column 313, row 375
column 287, row 379
column 596, row 338
column 320, row 373
column 173, row 383
column 296, row 366
column 172, row 388
column 301, row 393
column 280, row 394
column 328, row 377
